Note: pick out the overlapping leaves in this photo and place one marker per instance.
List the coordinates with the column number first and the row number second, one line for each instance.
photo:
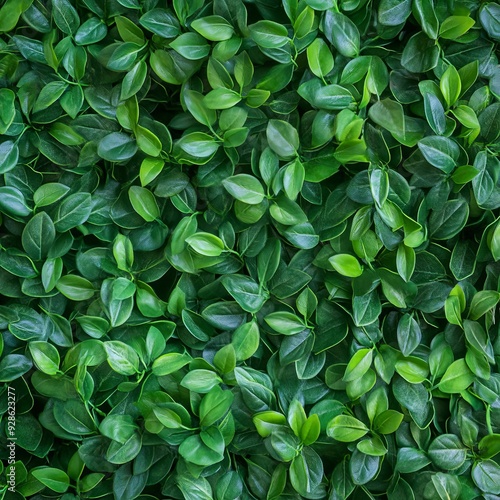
column 250, row 250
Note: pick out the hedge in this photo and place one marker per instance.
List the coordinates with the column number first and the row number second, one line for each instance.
column 249, row 249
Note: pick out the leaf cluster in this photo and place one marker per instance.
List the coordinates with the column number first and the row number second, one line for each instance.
column 250, row 250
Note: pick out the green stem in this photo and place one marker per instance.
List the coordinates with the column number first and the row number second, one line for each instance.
column 488, row 419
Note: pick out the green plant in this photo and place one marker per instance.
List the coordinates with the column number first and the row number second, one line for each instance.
column 250, row 249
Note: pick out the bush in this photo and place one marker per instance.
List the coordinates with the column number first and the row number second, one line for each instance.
column 249, row 249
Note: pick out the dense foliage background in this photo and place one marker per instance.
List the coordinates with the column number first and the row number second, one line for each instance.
column 250, row 249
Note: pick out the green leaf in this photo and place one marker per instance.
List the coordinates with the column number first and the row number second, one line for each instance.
column 49, row 193
column 65, row 16
column 221, row 98
column 488, row 16
column 191, row 46
column 450, row 85
column 409, row 334
column 200, row 381
column 9, row 156
column 93, row 30
column 306, row 471
column 119, row 428
column 117, row 147
column 293, row 179
column 489, row 446
column 214, row 28
column 346, row 264
column 198, row 144
column 285, row 323
column 342, row 33
column 147, row 141
column 206, row 244
column 129, row 31
column 283, row 138
column 486, row 475
column 456, row 378
column 144, row 203
column 73, row 211
column 424, row 13
column 75, row 287
column 393, row 12
column 372, row 446
column 162, row 22
column 410, row 460
column 346, row 428
column 45, row 356
column 245, row 188
column 455, row 26
column 311, row 429
column 449, row 219
column 10, row 13
column 215, row 405
column 12, row 202
column 388, row 421
column 420, row 54
column 358, row 365
column 440, row 152
column 320, row 58
column 150, row 169
column 447, row 452
column 482, row 302
column 245, row 341
column 38, row 236
column 170, row 363
column 268, row 34
column 13, row 366
column 121, row 358
column 412, row 369
column 51, row 273
column 54, row 479
column 133, row 80
column 245, row 291
column 434, row 112
column 7, row 109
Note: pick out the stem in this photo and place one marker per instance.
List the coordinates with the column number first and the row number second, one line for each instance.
column 488, row 419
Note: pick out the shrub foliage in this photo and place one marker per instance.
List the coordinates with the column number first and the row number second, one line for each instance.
column 250, row 249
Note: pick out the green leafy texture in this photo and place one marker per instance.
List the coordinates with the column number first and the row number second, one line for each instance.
column 250, row 249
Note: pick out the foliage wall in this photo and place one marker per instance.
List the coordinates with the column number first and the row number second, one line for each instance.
column 249, row 249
